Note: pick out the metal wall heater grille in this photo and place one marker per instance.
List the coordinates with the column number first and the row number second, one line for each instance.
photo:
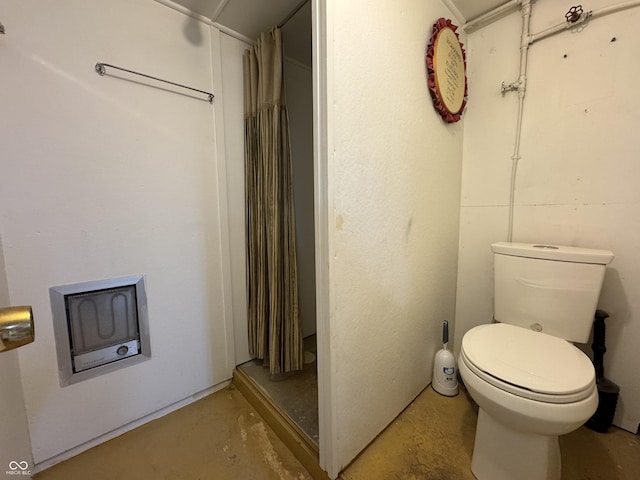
column 103, row 326
column 99, row 326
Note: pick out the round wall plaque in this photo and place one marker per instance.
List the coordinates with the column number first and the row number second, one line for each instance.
column 446, row 69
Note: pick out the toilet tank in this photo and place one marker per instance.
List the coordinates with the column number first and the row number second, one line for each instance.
column 548, row 288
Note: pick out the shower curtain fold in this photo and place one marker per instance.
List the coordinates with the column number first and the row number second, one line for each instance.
column 272, row 284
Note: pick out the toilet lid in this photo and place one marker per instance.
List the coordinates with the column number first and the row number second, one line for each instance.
column 529, row 360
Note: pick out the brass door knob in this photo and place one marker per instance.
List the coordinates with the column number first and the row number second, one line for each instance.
column 16, row 327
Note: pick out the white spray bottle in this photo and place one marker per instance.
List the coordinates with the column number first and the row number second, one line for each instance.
column 445, row 380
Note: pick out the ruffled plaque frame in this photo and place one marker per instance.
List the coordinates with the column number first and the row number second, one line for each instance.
column 446, row 63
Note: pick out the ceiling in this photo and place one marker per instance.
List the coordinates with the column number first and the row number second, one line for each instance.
column 246, row 17
column 470, row 9
column 249, row 18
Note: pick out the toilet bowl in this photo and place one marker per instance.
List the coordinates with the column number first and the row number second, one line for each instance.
column 530, row 388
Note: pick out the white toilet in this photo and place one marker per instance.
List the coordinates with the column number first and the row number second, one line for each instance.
column 530, row 382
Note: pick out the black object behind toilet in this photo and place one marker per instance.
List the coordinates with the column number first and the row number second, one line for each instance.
column 607, row 390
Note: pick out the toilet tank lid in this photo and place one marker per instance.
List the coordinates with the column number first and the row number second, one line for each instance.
column 553, row 252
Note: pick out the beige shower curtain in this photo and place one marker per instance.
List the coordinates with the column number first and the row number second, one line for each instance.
column 272, row 284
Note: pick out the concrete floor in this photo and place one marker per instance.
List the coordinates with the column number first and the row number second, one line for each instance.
column 433, row 439
column 222, row 437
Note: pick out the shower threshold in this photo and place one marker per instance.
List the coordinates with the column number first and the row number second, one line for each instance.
column 289, row 405
column 295, row 393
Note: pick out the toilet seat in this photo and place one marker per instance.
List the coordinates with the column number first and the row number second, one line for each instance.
column 529, row 364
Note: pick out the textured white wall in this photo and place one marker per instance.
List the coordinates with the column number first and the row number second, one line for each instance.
column 394, row 174
column 577, row 178
column 104, row 177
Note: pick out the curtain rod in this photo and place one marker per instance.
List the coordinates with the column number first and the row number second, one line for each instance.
column 292, row 13
column 100, row 69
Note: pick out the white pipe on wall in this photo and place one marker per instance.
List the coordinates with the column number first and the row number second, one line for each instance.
column 526, row 39
column 521, row 87
column 547, row 32
column 615, row 8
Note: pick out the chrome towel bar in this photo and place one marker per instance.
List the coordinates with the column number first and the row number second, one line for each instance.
column 100, row 69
